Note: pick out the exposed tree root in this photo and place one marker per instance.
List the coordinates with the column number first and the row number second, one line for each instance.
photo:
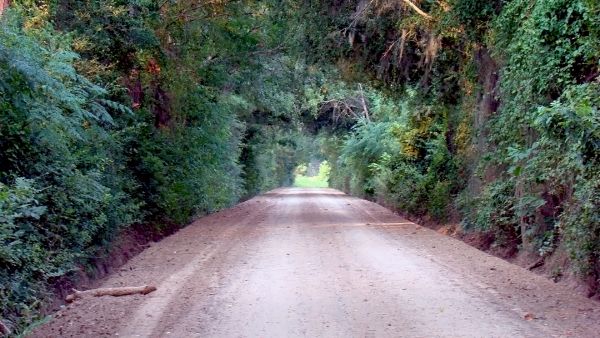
column 116, row 292
column 537, row 264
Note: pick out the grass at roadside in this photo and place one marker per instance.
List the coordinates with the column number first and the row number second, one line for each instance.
column 302, row 181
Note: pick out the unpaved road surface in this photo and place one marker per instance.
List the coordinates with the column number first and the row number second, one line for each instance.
column 318, row 263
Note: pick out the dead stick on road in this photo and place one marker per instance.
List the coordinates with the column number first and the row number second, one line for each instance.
column 116, row 292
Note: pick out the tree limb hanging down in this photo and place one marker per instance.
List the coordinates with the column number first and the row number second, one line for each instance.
column 364, row 103
column 116, row 292
column 417, row 9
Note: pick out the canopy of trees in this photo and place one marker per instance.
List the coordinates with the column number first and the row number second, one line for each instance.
column 137, row 113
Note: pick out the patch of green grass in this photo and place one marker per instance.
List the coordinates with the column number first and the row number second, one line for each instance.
column 302, row 181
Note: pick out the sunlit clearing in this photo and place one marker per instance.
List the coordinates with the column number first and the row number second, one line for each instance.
column 312, row 175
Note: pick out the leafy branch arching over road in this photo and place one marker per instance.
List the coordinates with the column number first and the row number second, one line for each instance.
column 128, row 119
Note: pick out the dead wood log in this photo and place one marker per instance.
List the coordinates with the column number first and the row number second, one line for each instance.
column 115, row 292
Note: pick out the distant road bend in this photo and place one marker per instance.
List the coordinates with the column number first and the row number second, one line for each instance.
column 318, row 263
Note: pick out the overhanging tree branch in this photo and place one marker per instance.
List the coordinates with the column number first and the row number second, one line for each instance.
column 417, row 9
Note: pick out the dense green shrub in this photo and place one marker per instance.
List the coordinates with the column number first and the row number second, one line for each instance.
column 22, row 254
column 490, row 108
column 566, row 159
column 64, row 192
column 495, row 211
column 79, row 166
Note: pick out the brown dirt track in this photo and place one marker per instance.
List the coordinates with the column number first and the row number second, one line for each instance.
column 318, row 263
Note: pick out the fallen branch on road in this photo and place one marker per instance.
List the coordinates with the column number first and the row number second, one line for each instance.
column 115, row 292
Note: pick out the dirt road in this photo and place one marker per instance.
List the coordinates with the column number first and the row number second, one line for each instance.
column 318, row 263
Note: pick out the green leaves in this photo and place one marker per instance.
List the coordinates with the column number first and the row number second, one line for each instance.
column 224, row 97
column 517, row 129
column 61, row 193
column 21, row 252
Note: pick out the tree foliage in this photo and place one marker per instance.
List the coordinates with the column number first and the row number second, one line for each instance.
column 117, row 114
column 123, row 113
column 496, row 114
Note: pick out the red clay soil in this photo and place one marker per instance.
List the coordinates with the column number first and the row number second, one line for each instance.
column 318, row 263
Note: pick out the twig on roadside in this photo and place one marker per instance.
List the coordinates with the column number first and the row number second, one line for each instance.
column 115, row 292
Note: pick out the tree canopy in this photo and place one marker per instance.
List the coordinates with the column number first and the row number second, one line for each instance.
column 125, row 114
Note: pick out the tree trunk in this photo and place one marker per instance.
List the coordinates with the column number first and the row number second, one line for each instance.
column 133, row 83
column 162, row 113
